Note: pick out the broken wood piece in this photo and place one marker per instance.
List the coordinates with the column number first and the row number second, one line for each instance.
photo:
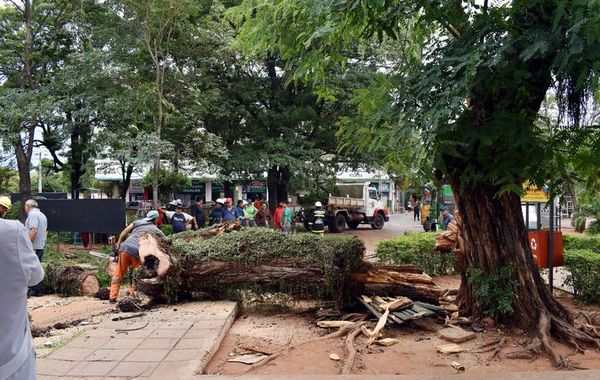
column 397, row 304
column 455, row 334
column 450, row 348
column 457, row 366
column 354, row 317
column 334, row 356
column 124, row 317
column 247, row 359
column 380, row 325
column 386, row 342
column 334, row 324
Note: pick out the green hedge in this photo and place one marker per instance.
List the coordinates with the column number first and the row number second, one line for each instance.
column 336, row 256
column 415, row 249
column 584, row 274
column 586, row 242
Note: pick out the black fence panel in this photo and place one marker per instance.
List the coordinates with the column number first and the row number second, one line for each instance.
column 84, row 215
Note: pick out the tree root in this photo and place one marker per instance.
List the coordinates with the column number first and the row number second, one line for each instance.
column 349, row 365
column 341, row 332
column 575, row 335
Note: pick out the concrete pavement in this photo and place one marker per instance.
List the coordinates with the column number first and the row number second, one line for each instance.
column 174, row 343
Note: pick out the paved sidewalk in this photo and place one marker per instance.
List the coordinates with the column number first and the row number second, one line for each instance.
column 174, row 342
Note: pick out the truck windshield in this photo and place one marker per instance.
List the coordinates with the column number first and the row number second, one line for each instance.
column 373, row 194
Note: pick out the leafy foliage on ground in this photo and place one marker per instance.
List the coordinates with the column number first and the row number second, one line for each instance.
column 583, row 266
column 493, row 291
column 335, row 256
column 415, row 249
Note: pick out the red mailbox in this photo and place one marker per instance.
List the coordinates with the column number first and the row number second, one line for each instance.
column 538, row 243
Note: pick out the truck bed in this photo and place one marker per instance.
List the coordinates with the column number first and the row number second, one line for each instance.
column 345, row 202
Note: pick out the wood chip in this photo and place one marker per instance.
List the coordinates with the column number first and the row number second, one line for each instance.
column 334, row 356
column 247, row 359
column 334, row 324
column 449, row 348
column 386, row 341
column 457, row 366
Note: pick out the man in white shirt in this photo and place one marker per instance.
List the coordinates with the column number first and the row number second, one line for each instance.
column 37, row 224
column 19, row 269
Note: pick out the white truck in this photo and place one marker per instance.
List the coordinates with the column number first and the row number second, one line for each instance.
column 359, row 203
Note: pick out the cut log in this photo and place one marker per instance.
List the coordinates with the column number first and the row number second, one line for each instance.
column 71, row 280
column 268, row 261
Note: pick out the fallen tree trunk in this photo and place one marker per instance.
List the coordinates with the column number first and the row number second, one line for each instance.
column 71, row 280
column 263, row 260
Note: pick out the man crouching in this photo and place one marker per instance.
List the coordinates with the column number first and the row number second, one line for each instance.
column 129, row 255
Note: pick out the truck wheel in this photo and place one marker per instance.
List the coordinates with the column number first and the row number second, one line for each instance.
column 337, row 223
column 353, row 225
column 378, row 222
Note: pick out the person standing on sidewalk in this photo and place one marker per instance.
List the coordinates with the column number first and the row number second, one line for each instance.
column 37, row 224
column 198, row 212
column 129, row 254
column 19, row 269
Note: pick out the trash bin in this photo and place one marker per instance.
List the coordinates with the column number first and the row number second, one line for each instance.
column 538, row 243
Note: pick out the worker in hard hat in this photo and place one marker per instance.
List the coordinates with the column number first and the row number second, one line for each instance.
column 318, row 225
column 5, row 204
column 19, row 269
column 129, row 255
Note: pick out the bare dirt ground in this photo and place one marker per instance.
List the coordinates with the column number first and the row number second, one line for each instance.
column 414, row 354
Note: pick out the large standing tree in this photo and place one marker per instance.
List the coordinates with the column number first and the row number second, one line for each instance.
column 470, row 79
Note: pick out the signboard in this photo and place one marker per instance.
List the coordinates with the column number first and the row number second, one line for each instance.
column 84, row 215
column 217, row 187
column 198, row 186
column 535, row 194
column 255, row 187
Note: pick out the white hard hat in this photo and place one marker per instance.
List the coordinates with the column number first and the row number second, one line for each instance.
column 318, row 204
column 179, row 202
column 173, row 203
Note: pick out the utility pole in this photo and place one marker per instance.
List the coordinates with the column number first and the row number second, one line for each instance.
column 40, row 173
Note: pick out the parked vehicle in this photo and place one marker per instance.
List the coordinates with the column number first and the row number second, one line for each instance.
column 359, row 203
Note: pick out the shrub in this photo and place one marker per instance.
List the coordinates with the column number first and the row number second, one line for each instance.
column 594, row 228
column 494, row 292
column 167, row 229
column 583, row 266
column 415, row 249
column 587, row 242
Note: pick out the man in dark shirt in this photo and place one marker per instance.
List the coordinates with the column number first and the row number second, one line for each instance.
column 198, row 212
column 446, row 217
column 216, row 215
column 178, row 220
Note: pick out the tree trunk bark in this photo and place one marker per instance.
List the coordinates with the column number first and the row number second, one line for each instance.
column 495, row 237
column 24, row 167
column 277, row 185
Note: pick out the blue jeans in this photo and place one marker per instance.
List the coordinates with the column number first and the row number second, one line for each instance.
column 38, row 289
